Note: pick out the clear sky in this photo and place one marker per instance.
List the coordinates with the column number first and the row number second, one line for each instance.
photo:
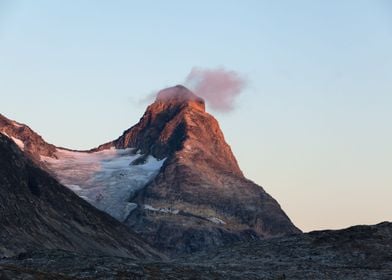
column 313, row 127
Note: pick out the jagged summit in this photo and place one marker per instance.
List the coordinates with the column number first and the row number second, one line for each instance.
column 180, row 96
column 177, row 122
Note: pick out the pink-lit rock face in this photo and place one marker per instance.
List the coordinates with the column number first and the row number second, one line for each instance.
column 177, row 119
column 26, row 138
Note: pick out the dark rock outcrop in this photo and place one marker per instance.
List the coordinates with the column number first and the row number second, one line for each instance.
column 36, row 212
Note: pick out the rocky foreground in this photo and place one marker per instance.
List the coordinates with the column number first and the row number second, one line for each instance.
column 360, row 252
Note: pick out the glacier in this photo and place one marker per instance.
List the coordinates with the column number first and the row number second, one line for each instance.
column 106, row 179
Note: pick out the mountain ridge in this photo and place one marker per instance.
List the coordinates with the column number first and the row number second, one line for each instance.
column 191, row 202
column 197, row 199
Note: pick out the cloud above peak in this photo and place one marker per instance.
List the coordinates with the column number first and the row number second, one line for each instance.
column 219, row 87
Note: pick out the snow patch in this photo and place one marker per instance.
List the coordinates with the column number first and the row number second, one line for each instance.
column 163, row 210
column 74, row 188
column 188, row 147
column 16, row 124
column 105, row 178
column 216, row 220
column 17, row 141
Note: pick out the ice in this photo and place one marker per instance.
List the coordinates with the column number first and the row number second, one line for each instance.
column 163, row 210
column 17, row 141
column 75, row 188
column 16, row 124
column 216, row 220
column 105, row 179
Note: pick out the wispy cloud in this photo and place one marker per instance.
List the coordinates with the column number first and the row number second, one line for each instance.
column 219, row 87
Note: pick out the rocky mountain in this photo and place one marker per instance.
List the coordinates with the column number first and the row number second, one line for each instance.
column 359, row 252
column 200, row 198
column 171, row 177
column 27, row 140
column 37, row 213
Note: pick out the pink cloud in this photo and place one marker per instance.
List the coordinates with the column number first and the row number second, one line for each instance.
column 219, row 87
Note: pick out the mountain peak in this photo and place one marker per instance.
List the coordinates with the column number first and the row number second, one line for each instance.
column 199, row 197
column 179, row 95
column 177, row 126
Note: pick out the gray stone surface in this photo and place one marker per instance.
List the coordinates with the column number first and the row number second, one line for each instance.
column 360, row 252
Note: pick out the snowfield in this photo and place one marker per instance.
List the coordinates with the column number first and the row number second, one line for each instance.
column 106, row 179
column 17, row 141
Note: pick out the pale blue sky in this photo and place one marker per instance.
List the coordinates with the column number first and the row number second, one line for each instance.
column 313, row 126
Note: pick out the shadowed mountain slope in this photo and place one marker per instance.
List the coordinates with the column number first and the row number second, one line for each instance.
column 36, row 212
